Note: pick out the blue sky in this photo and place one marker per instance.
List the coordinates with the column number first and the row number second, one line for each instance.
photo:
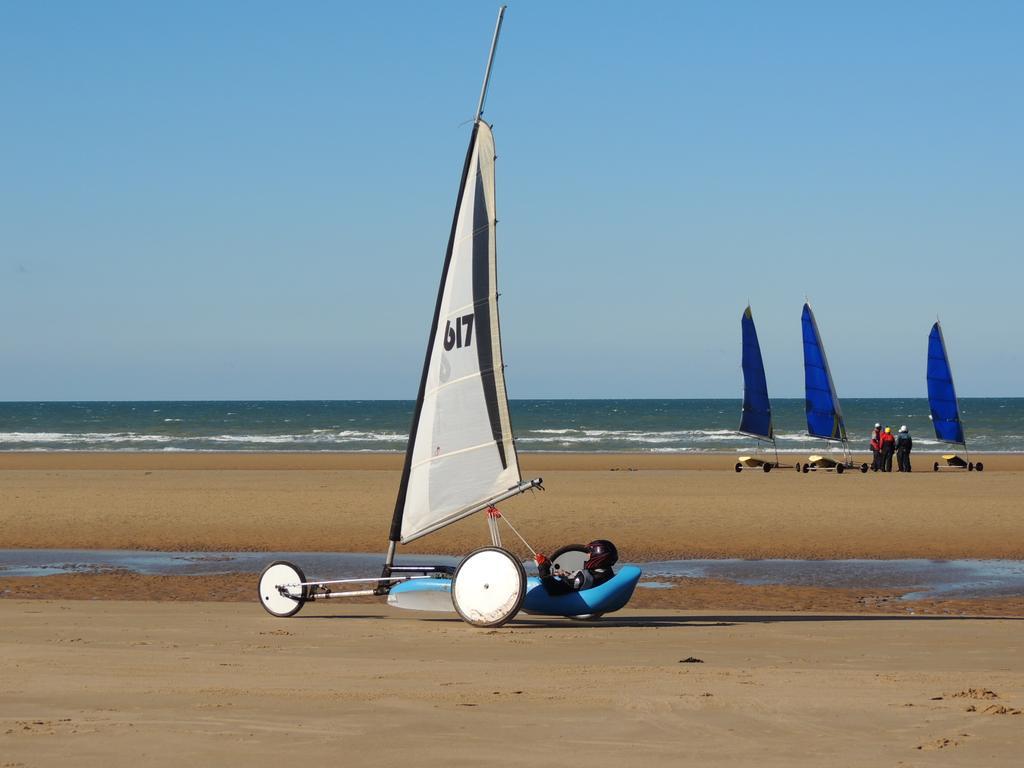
column 252, row 200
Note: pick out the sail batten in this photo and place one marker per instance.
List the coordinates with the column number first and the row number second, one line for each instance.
column 474, row 375
column 942, row 399
column 461, row 451
column 824, row 415
column 756, row 419
column 467, row 449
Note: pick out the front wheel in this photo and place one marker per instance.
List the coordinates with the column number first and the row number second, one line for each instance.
column 282, row 589
column 979, row 466
column 488, row 587
column 935, row 467
column 863, row 469
column 807, row 468
column 840, row 469
column 970, row 466
column 767, row 468
column 739, row 467
column 797, row 466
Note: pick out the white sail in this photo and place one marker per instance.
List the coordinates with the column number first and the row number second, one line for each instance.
column 461, row 453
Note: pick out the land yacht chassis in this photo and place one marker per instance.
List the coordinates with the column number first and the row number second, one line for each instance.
column 284, row 589
column 479, row 461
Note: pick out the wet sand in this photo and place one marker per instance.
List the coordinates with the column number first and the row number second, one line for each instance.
column 169, row 684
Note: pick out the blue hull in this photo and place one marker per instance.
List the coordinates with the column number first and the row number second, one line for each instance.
column 435, row 595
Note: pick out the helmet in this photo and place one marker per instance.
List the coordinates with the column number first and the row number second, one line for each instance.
column 903, row 428
column 603, row 554
column 888, row 430
column 878, row 426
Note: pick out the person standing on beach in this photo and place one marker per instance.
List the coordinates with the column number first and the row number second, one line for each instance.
column 876, row 448
column 888, row 447
column 903, row 447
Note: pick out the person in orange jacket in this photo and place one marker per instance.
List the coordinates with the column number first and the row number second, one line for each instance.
column 888, row 443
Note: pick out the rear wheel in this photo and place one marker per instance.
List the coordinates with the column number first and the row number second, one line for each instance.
column 935, row 467
column 863, row 469
column 798, row 466
column 739, row 467
column 970, row 466
column 767, row 467
column 979, row 466
column 840, row 469
column 282, row 590
column 807, row 468
column 488, row 587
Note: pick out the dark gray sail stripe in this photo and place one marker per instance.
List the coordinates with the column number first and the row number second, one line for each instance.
column 403, row 487
column 482, row 297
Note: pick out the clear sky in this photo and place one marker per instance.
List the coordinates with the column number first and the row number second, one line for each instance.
column 252, row 199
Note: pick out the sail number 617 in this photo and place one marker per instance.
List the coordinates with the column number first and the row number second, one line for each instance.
column 460, row 334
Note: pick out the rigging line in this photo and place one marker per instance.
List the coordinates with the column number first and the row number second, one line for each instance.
column 517, row 533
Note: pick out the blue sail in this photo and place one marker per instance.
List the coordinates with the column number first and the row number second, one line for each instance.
column 757, row 409
column 824, row 418
column 941, row 394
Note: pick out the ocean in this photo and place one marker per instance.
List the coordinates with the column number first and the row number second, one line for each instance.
column 648, row 426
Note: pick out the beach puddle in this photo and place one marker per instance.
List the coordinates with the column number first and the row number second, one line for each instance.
column 918, row 579
column 915, row 579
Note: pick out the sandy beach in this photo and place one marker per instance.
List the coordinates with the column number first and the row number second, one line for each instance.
column 145, row 683
column 652, row 506
column 189, row 670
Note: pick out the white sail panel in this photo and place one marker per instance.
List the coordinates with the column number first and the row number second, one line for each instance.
column 462, row 453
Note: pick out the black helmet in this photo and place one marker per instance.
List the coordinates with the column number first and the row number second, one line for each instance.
column 603, row 554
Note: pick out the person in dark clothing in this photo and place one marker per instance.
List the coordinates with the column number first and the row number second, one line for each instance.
column 888, row 448
column 876, row 448
column 602, row 555
column 903, row 447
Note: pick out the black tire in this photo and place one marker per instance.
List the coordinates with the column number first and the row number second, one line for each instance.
column 970, row 466
column 298, row 603
column 739, row 467
column 767, row 468
column 509, row 613
column 807, row 468
column 935, row 467
column 979, row 467
column 840, row 468
column 797, row 465
column 863, row 469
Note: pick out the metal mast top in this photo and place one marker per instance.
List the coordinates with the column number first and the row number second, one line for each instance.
column 490, row 61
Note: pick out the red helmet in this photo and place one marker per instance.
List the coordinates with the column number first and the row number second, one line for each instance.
column 603, row 554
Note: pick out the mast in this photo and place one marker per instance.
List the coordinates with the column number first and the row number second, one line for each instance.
column 942, row 391
column 820, row 399
column 490, row 62
column 400, row 503
column 756, row 419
